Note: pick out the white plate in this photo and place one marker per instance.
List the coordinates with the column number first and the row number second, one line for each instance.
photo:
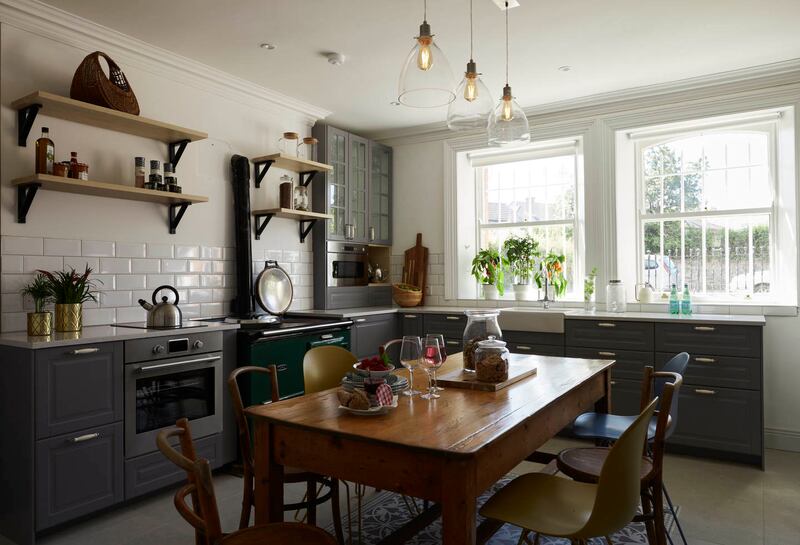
column 372, row 411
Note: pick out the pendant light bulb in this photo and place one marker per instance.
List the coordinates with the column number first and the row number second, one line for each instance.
column 507, row 113
column 471, row 91
column 425, row 40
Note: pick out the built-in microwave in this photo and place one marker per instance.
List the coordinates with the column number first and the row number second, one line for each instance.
column 348, row 264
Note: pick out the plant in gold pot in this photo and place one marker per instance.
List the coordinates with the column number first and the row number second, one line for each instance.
column 39, row 321
column 69, row 290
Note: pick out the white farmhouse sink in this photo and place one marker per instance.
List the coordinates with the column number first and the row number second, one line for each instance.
column 532, row 319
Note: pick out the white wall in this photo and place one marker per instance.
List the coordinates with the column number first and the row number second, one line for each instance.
column 42, row 54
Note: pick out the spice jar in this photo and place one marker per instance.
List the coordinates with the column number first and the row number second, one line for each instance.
column 480, row 325
column 82, row 171
column 286, row 191
column 491, row 360
column 307, row 148
column 60, row 169
column 287, row 144
column 139, row 172
column 301, row 198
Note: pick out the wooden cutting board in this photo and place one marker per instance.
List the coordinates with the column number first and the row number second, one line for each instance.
column 520, row 367
column 415, row 266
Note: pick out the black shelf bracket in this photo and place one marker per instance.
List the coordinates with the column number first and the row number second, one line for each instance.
column 305, row 228
column 261, row 224
column 306, row 177
column 261, row 171
column 25, row 195
column 25, row 118
column 176, row 150
column 176, row 212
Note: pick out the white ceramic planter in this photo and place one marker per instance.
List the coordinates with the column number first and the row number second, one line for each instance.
column 524, row 292
column 490, row 292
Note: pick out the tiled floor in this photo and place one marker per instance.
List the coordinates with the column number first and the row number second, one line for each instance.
column 721, row 504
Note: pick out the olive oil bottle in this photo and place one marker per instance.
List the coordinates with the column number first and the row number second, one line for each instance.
column 45, row 153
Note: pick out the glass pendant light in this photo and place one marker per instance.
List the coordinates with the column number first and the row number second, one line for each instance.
column 473, row 102
column 426, row 80
column 508, row 124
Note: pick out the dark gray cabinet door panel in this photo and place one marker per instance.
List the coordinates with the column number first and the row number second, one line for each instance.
column 450, row 325
column 348, row 297
column 532, row 337
column 77, row 474
column 373, row 331
column 722, row 371
column 625, row 397
column 78, row 387
column 629, row 364
column 723, row 340
column 380, row 194
column 380, row 296
column 719, row 419
column 411, row 324
column 453, row 346
column 609, row 334
column 537, row 349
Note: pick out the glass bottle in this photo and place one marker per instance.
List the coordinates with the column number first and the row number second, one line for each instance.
column 155, row 181
column 674, row 303
column 480, row 325
column 686, row 301
column 73, row 164
column 139, row 172
column 45, row 153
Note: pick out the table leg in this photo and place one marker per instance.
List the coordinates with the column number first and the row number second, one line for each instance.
column 268, row 478
column 603, row 404
column 459, row 498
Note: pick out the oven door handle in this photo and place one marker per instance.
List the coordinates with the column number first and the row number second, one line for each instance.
column 146, row 368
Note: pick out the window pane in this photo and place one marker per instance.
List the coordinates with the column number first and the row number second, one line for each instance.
column 652, row 195
column 672, row 193
column 715, row 255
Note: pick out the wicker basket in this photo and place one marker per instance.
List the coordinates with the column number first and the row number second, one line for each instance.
column 90, row 84
column 406, row 298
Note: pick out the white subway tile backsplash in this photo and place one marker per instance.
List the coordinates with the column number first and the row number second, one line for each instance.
column 228, row 253
column 21, row 245
column 98, row 316
column 306, row 257
column 211, row 252
column 211, row 280
column 185, row 252
column 156, row 280
column 97, row 248
column 200, row 296
column 301, row 268
column 217, row 267
column 159, row 250
column 190, row 311
column 12, row 283
column 115, row 299
column 131, row 281
column 13, row 302
column 187, row 280
column 62, row 247
column 12, row 264
column 173, row 265
column 145, row 265
column 273, row 255
column 211, row 309
column 291, row 256
column 14, row 321
column 198, row 266
column 33, row 263
column 131, row 249
column 120, row 265
column 222, row 295
column 131, row 314
column 104, row 282
column 80, row 263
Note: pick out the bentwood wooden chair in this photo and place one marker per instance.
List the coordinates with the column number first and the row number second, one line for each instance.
column 585, row 464
column 204, row 516
column 577, row 511
column 291, row 475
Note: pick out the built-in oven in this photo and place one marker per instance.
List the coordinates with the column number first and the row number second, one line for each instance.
column 348, row 264
column 172, row 378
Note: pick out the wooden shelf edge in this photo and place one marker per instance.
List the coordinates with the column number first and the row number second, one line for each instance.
column 287, row 162
column 288, row 213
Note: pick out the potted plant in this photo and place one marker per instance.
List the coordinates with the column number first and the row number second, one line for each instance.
column 521, row 252
column 551, row 275
column 39, row 321
column 488, row 268
column 69, row 290
column 589, row 284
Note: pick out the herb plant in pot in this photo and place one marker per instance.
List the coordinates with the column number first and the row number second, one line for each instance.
column 521, row 252
column 551, row 276
column 488, row 268
column 39, row 321
column 69, row 290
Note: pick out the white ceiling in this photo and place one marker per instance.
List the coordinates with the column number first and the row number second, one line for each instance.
column 610, row 45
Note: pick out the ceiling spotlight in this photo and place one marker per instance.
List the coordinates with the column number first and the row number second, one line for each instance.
column 565, row 68
column 267, row 46
column 336, row 59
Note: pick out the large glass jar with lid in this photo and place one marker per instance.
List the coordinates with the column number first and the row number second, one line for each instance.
column 615, row 296
column 491, row 360
column 481, row 324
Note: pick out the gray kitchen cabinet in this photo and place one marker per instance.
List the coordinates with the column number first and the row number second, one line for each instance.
column 347, row 297
column 380, row 200
column 629, row 364
column 449, row 325
column 78, row 387
column 411, row 324
column 714, row 370
column 625, row 396
column 720, row 339
column 331, row 188
column 370, row 332
column 534, row 343
column 358, row 188
column 609, row 334
column 78, row 473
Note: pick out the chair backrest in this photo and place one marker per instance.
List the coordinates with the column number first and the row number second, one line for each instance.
column 676, row 365
column 392, row 350
column 665, row 424
column 203, row 515
column 324, row 367
column 619, row 485
column 238, row 408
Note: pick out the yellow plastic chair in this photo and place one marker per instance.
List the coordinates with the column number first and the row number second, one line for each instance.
column 324, row 367
column 560, row 507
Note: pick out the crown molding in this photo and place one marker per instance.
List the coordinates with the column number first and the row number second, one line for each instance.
column 605, row 104
column 67, row 28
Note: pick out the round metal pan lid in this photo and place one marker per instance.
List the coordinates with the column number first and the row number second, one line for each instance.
column 274, row 291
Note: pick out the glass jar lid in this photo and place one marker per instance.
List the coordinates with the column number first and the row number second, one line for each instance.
column 492, row 342
column 483, row 313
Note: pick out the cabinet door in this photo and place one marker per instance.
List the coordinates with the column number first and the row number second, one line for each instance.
column 629, row 364
column 77, row 474
column 380, row 195
column 625, row 397
column 373, row 331
column 536, row 349
column 336, row 197
column 410, row 324
column 720, row 339
column 605, row 334
column 358, row 188
column 78, row 387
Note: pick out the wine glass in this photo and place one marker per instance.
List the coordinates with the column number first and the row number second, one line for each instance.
column 410, row 354
column 443, row 350
column 431, row 360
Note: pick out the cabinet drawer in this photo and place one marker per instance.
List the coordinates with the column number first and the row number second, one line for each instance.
column 350, row 297
column 411, row 324
column 77, row 474
column 609, row 334
column 625, row 397
column 722, row 371
column 532, row 337
column 629, row 364
column 450, row 325
column 78, row 387
column 536, row 349
column 453, row 346
column 725, row 340
column 153, row 471
column 719, row 419
column 373, row 331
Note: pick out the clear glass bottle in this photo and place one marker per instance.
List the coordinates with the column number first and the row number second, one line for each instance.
column 45, row 153
column 73, row 164
column 686, row 301
column 615, row 296
column 139, row 172
column 481, row 324
column 491, row 360
column 674, row 302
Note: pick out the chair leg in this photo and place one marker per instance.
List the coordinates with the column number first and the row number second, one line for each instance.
column 537, row 538
column 247, row 500
column 608, row 540
column 647, row 512
column 658, row 512
column 674, row 515
column 522, row 535
column 311, row 496
column 336, row 511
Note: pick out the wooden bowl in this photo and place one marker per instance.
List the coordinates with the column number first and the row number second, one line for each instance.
column 406, row 298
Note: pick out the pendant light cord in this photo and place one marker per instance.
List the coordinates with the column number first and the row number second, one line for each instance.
column 471, row 31
column 506, row 43
column 425, row 11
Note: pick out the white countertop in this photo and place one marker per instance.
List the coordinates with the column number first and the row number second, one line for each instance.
column 99, row 334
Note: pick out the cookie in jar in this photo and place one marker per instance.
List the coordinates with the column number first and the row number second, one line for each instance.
column 491, row 360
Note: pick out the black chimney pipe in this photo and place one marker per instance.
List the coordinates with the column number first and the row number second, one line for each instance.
column 243, row 302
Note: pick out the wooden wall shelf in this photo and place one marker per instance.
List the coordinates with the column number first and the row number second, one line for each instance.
column 305, row 168
column 306, row 219
column 29, row 185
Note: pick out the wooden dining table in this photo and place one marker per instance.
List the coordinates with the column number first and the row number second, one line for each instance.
column 447, row 451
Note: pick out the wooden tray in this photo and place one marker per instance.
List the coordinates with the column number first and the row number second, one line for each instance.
column 520, row 367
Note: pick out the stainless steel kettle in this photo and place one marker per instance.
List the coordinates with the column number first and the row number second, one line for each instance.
column 163, row 314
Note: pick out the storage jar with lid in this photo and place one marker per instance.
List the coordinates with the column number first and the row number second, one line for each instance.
column 481, row 324
column 301, row 198
column 615, row 296
column 491, row 360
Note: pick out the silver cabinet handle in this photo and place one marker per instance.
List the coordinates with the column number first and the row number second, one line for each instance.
column 703, row 328
column 524, row 347
column 410, row 316
column 146, row 368
column 704, row 360
column 705, row 392
column 87, row 437
column 372, row 233
column 605, row 353
column 360, row 320
column 613, row 382
column 81, row 351
column 606, row 324
column 282, row 367
column 452, row 317
column 451, row 343
column 326, row 336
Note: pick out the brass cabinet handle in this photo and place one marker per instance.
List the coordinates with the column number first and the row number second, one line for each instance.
column 605, row 353
column 606, row 324
column 613, row 382
column 87, row 437
column 704, row 360
column 703, row 328
column 524, row 347
column 360, row 320
column 453, row 317
column 451, row 343
column 410, row 316
column 81, row 351
column 372, row 233
column 705, row 392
